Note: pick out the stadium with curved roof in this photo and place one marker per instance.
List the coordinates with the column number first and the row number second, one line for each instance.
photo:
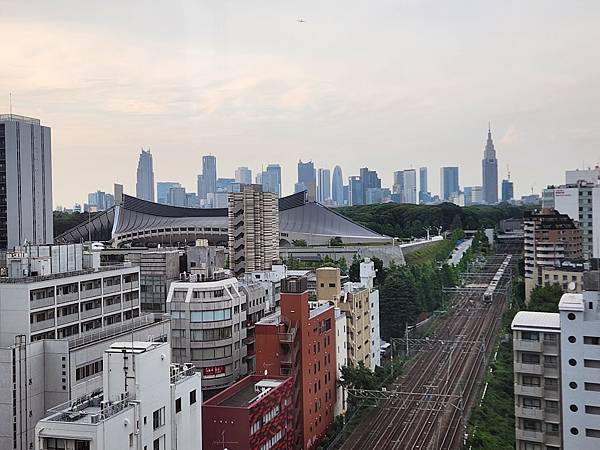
column 139, row 222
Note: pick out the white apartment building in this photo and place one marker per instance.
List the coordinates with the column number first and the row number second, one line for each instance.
column 580, row 353
column 208, row 329
column 341, row 360
column 536, row 346
column 145, row 403
column 367, row 278
column 65, row 305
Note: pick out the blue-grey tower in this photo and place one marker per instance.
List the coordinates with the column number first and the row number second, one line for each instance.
column 489, row 166
column 144, row 186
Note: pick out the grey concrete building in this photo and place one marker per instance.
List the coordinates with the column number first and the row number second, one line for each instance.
column 25, row 182
column 253, row 229
column 208, row 329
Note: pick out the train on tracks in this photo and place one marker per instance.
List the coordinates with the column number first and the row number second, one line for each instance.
column 490, row 292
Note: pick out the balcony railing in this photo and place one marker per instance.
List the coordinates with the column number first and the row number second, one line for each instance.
column 61, row 320
column 42, row 303
column 529, row 413
column 527, row 435
column 42, row 325
column 534, row 369
column 70, row 297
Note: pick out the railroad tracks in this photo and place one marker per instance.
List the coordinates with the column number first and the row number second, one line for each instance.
column 427, row 408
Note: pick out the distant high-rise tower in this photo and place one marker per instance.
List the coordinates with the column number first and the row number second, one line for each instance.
column 449, row 184
column 243, row 175
column 369, row 180
column 207, row 182
column 307, row 179
column 410, row 186
column 355, row 191
column 490, row 171
column 162, row 191
column 25, row 182
column 144, row 187
column 324, row 187
column 271, row 179
column 253, row 229
column 424, row 195
column 337, row 186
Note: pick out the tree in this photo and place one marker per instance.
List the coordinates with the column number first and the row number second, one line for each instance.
column 336, row 242
column 545, row 298
column 299, row 243
column 354, row 271
column 358, row 377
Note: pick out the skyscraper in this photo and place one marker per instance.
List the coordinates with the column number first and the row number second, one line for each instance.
column 207, row 183
column 253, row 229
column 307, row 179
column 369, row 180
column 271, row 179
column 144, row 187
column 424, row 195
column 410, row 186
column 337, row 186
column 162, row 191
column 489, row 166
column 507, row 190
column 449, row 184
column 243, row 175
column 324, row 188
column 25, row 182
column 356, row 195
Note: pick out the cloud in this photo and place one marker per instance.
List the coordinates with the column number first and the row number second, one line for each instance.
column 511, row 136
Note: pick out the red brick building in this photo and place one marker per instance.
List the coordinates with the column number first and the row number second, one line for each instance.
column 300, row 342
column 252, row 414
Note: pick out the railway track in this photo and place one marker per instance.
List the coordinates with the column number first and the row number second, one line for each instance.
column 428, row 406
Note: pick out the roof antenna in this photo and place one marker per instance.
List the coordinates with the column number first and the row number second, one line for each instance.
column 10, row 104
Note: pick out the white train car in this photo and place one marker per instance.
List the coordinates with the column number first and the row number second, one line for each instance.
column 489, row 294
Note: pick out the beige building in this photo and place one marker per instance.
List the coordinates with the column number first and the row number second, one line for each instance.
column 537, row 380
column 253, row 229
column 328, row 283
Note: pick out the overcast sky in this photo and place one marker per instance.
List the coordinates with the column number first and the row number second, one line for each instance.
column 384, row 84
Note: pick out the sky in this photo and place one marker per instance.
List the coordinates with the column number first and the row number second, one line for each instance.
column 386, row 84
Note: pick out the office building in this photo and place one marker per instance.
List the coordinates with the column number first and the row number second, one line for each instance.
column 253, row 228
column 162, row 190
column 551, row 238
column 307, row 179
column 271, row 179
column 489, row 167
column 473, row 195
column 580, row 202
column 356, row 194
column 243, row 175
column 508, row 192
column 424, row 194
column 253, row 414
column 144, row 186
column 368, row 179
column 374, row 196
column 25, row 182
column 537, row 380
column 177, row 197
column 207, row 182
column 224, row 184
column 337, row 187
column 405, row 185
column 585, row 175
column 145, row 403
column 449, row 185
column 324, row 186
column 207, row 329
column 300, row 342
column 100, row 201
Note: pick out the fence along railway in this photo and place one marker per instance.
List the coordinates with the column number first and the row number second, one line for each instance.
column 428, row 407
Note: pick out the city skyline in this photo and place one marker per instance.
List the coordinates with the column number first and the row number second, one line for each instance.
column 423, row 104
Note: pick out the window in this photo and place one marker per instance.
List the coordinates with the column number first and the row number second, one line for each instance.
column 213, row 334
column 532, row 425
column 531, row 381
column 530, row 358
column 594, row 387
column 88, row 370
column 54, row 444
column 210, row 316
column 201, row 354
column 158, row 418
column 552, row 429
column 532, row 403
column 550, row 361
column 178, row 405
column 177, row 334
column 591, row 432
column 591, row 363
column 530, row 336
column 589, row 409
column 591, row 340
column 193, row 397
column 177, row 314
column 159, row 443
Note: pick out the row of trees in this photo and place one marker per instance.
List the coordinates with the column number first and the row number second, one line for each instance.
column 406, row 220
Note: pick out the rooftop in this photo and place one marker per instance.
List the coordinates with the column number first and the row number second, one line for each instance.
column 246, row 392
column 536, row 321
column 17, row 118
column 320, row 310
column 56, row 276
column 571, row 302
column 87, row 410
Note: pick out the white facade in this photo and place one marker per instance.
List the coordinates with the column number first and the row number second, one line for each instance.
column 26, row 158
column 367, row 277
column 146, row 403
column 580, row 352
column 588, row 175
column 341, row 359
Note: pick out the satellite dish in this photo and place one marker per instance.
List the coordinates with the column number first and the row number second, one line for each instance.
column 571, row 286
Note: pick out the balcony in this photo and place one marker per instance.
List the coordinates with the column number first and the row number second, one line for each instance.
column 529, row 413
column 525, row 345
column 69, row 318
column 131, row 285
column 42, row 303
column 91, row 293
column 42, row 325
column 551, row 371
column 527, row 435
column 112, row 308
column 534, row 369
column 91, row 313
column 127, row 304
column 109, row 289
column 531, row 391
column 288, row 337
column 65, row 298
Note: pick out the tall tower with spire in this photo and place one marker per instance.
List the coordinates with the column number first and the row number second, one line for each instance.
column 489, row 166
